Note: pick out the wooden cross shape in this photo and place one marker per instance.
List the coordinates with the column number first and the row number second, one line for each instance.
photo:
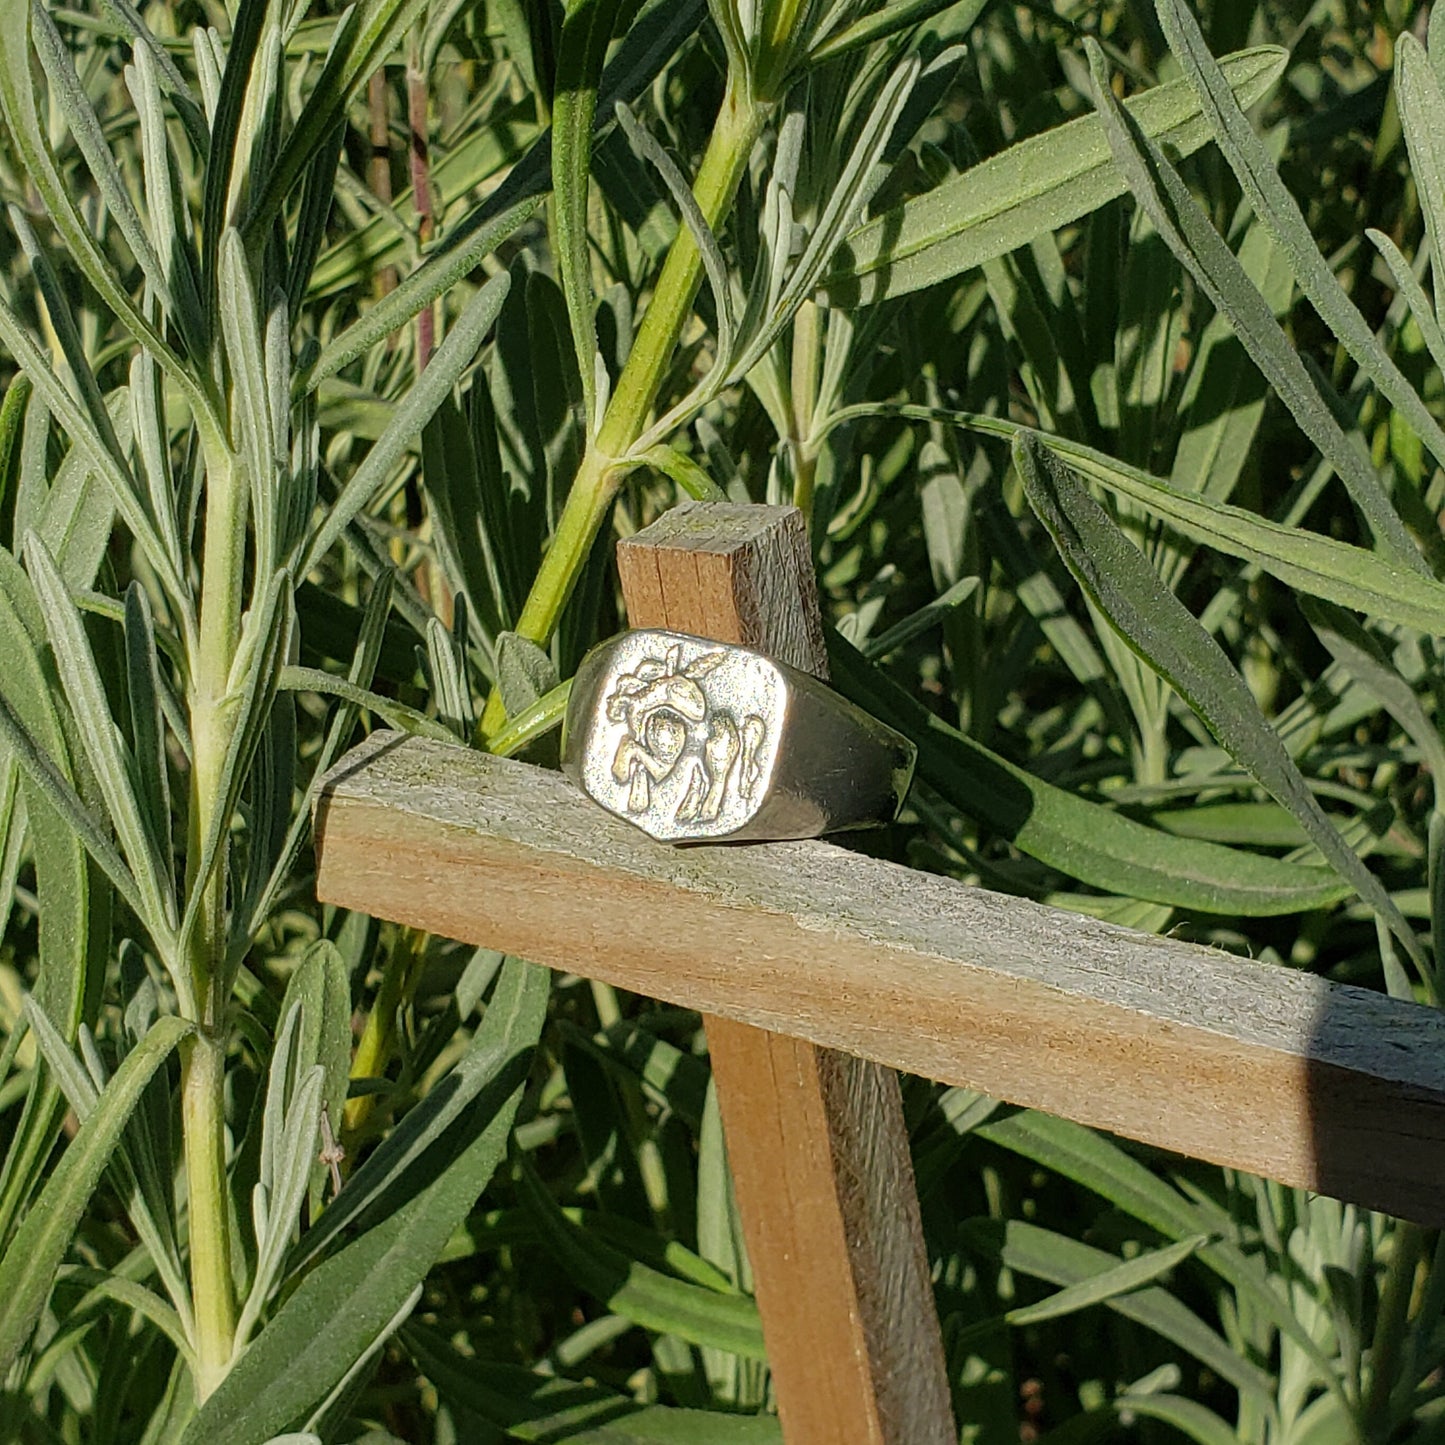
column 821, row 971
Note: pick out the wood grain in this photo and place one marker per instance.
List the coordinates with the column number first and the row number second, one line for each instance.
column 816, row 1139
column 1259, row 1067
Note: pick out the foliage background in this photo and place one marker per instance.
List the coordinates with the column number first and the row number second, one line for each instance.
column 232, row 543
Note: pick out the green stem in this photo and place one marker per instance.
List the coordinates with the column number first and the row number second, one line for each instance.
column 378, row 1038
column 603, row 467
column 807, row 363
column 1390, row 1330
column 203, row 1119
column 203, row 1098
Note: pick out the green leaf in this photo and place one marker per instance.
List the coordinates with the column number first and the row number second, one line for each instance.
column 1119, row 581
column 322, row 986
column 586, row 33
column 469, row 518
column 395, row 714
column 1104, row 1167
column 1364, row 659
column 29, row 1264
column 1045, row 1254
column 262, row 450
column 339, row 1308
column 32, row 150
column 1317, row 566
column 713, row 265
column 1082, row 839
column 654, row 38
column 69, row 96
column 12, row 430
column 1189, row 1417
column 1421, row 93
column 143, row 688
column 916, row 623
column 888, row 20
column 1201, row 249
column 553, row 1411
column 638, row 1292
column 1119, row 1279
column 366, row 36
column 1414, row 295
column 443, row 372
column 76, row 421
column 1029, row 189
column 251, row 689
column 110, row 758
column 1273, row 204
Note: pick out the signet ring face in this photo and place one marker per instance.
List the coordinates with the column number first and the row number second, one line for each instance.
column 693, row 740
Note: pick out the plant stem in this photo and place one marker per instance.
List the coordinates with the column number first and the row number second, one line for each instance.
column 738, row 123
column 1390, row 1329
column 203, row 1097
column 807, row 362
column 378, row 1038
column 203, row 1119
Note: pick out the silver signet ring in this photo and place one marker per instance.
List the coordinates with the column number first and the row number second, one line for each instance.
column 693, row 740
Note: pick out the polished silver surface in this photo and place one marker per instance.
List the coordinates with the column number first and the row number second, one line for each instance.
column 694, row 740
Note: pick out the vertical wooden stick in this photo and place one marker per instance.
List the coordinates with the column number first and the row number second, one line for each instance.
column 816, row 1138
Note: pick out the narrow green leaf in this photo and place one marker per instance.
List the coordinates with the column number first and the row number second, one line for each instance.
column 714, row 267
column 143, row 684
column 1421, row 92
column 169, row 222
column 1192, row 237
column 12, row 431
column 1189, row 1417
column 256, row 672
column 241, row 328
column 1100, row 1165
column 1273, row 204
column 76, row 421
column 1045, row 1254
column 1108, row 1283
column 371, row 30
column 442, row 373
column 105, row 1291
column 1317, row 566
column 916, row 623
column 32, row 150
column 85, row 126
column 396, row 714
column 1414, row 294
column 221, row 158
column 110, row 758
column 888, row 20
column 29, row 1264
column 661, row 29
column 1033, row 187
column 338, row 1309
column 586, row 33
column 1364, row 659
column 1160, row 629
column 640, row 1293
column 1082, row 839
column 552, row 1411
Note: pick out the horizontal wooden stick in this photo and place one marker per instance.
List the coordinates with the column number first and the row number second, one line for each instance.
column 1251, row 1065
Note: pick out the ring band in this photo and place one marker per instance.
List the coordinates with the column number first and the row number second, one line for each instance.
column 695, row 740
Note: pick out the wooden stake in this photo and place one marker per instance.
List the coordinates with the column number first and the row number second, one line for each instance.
column 1268, row 1069
column 816, row 1139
